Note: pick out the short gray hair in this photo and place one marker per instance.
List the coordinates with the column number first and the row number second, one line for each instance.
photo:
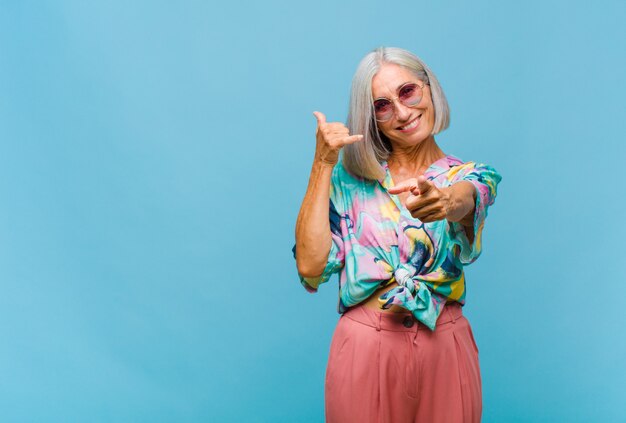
column 363, row 158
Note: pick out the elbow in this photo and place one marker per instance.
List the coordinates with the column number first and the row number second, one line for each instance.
column 310, row 261
column 308, row 269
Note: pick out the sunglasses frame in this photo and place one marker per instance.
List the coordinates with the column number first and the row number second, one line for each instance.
column 392, row 100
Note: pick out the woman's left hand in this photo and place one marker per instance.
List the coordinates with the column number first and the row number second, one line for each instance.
column 427, row 202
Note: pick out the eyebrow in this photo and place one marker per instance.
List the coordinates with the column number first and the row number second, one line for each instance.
column 403, row 84
column 397, row 88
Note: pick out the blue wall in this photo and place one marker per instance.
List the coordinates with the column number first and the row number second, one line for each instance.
column 153, row 156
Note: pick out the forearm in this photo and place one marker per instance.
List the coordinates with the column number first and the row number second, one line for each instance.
column 462, row 203
column 313, row 239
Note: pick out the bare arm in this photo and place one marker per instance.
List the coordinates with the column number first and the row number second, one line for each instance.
column 462, row 202
column 462, row 206
column 313, row 238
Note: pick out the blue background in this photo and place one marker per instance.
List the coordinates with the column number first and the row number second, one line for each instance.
column 153, row 157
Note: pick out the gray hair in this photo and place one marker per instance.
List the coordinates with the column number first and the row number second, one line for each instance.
column 363, row 158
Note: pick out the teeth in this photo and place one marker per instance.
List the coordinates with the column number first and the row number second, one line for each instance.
column 411, row 125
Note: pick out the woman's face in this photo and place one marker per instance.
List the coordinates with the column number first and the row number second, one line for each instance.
column 408, row 125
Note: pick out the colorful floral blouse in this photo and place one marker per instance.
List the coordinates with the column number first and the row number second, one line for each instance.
column 376, row 241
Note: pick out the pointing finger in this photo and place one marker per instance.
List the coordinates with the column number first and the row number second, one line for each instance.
column 321, row 119
column 408, row 185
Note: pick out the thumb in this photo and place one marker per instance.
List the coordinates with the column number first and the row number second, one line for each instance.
column 423, row 185
column 321, row 119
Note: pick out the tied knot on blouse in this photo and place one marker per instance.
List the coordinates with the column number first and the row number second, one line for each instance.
column 409, row 265
column 416, row 296
column 403, row 276
column 376, row 241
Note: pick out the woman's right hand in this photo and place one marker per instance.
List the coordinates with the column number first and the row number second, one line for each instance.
column 331, row 137
column 313, row 236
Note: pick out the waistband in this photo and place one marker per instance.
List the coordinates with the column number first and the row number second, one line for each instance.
column 400, row 322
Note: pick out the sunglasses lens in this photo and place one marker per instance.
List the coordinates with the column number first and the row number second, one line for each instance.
column 410, row 94
column 383, row 109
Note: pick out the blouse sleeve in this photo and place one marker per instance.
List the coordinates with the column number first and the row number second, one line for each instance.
column 485, row 179
column 335, row 260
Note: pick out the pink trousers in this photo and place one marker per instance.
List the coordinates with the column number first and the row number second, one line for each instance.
column 388, row 367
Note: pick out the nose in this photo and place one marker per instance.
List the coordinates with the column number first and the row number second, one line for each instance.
column 402, row 112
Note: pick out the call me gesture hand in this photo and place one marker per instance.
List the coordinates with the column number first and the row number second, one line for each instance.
column 331, row 137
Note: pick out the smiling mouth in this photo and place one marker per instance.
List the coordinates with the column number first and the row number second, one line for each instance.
column 411, row 124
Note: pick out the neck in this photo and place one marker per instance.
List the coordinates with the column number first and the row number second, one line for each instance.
column 416, row 158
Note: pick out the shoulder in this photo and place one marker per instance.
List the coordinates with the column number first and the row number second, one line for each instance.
column 348, row 188
column 446, row 168
column 484, row 176
column 342, row 186
column 454, row 160
column 452, row 169
column 458, row 167
column 342, row 178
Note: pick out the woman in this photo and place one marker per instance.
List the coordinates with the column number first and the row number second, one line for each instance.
column 399, row 218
